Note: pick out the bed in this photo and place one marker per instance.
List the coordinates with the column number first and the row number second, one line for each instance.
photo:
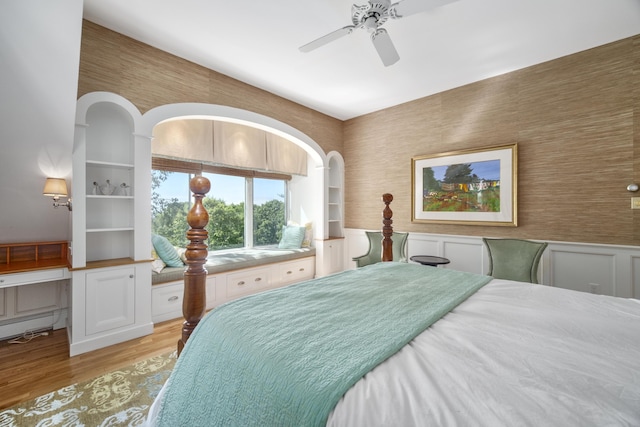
column 396, row 344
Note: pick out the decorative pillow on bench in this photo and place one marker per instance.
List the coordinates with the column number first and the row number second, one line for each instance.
column 166, row 251
column 292, row 237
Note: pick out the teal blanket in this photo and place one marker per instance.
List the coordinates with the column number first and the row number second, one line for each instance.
column 286, row 357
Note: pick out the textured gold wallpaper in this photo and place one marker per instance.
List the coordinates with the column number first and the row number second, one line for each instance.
column 575, row 120
column 149, row 77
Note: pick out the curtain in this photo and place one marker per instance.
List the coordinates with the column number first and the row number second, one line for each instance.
column 227, row 144
column 285, row 156
column 184, row 139
column 239, row 145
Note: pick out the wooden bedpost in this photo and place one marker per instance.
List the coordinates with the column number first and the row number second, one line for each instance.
column 195, row 276
column 387, row 229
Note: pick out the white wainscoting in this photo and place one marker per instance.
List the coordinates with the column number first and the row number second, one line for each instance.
column 587, row 267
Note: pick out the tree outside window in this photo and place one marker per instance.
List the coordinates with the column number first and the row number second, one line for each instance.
column 229, row 212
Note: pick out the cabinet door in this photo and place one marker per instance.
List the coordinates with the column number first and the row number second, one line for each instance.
column 3, row 308
column 110, row 299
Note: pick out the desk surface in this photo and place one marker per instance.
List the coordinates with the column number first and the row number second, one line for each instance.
column 429, row 260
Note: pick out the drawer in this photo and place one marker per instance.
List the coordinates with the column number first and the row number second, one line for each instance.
column 17, row 279
column 166, row 299
column 247, row 281
column 297, row 271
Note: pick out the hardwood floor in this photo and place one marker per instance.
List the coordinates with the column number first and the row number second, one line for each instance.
column 43, row 364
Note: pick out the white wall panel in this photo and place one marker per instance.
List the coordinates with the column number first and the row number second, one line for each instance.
column 586, row 267
column 635, row 276
column 581, row 271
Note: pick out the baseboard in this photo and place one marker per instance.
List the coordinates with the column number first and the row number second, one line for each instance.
column 36, row 323
column 105, row 340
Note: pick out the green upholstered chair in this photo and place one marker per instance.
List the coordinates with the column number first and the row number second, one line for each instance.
column 374, row 254
column 514, row 259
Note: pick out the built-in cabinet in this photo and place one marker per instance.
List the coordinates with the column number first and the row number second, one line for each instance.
column 110, row 295
column 329, row 250
column 227, row 286
column 335, row 197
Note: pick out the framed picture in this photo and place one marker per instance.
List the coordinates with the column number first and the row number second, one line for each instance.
column 466, row 187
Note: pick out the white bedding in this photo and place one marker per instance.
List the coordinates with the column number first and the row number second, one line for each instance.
column 513, row 354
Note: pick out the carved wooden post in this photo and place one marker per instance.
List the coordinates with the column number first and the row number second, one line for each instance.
column 387, row 229
column 195, row 277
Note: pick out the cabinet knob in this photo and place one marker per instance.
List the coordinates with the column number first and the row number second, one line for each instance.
column 1, row 280
column 258, row 279
column 173, row 298
column 289, row 272
column 241, row 283
column 301, row 269
column 131, row 276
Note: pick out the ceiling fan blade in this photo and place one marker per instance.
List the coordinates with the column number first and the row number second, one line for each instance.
column 385, row 47
column 410, row 7
column 334, row 35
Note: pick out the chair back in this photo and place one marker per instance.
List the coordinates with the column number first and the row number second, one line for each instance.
column 374, row 254
column 514, row 259
column 399, row 246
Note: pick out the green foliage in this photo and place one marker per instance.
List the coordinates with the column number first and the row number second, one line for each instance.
column 226, row 224
column 157, row 202
column 268, row 220
column 226, row 221
column 171, row 222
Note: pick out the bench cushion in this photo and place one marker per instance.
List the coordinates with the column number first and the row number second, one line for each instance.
column 235, row 259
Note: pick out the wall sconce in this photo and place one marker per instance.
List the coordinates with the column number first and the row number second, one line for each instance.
column 56, row 188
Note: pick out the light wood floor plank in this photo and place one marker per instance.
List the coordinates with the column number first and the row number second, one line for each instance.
column 43, row 364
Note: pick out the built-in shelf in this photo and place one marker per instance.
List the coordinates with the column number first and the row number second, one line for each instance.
column 110, row 165
column 335, row 197
column 111, row 197
column 111, row 232
column 109, row 263
column 105, row 230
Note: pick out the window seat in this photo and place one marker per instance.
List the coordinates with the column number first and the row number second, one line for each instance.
column 235, row 259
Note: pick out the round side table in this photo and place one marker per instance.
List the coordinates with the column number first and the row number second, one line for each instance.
column 429, row 260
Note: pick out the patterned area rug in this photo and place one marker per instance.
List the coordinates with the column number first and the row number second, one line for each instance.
column 119, row 398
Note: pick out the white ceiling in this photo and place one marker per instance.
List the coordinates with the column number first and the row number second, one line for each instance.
column 256, row 41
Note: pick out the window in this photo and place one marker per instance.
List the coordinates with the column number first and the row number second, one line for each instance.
column 244, row 211
column 268, row 210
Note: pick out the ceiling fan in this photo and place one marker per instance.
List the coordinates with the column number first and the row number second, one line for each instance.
column 371, row 17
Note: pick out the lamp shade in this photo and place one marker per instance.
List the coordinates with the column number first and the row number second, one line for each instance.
column 55, row 187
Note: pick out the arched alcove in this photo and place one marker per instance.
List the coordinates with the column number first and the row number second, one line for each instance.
column 220, row 112
column 307, row 197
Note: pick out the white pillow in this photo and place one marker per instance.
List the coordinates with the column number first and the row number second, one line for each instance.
column 157, row 265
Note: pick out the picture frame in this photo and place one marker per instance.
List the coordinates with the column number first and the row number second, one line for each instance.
column 471, row 187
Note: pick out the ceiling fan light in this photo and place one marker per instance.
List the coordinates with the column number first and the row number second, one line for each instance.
column 371, row 24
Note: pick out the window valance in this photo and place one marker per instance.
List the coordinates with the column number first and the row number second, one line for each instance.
column 226, row 144
column 196, row 168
